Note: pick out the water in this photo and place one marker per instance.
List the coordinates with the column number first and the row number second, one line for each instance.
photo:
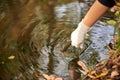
column 37, row 34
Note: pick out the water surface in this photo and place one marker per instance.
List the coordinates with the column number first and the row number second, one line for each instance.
column 37, row 35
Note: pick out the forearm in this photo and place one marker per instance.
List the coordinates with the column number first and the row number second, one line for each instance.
column 94, row 13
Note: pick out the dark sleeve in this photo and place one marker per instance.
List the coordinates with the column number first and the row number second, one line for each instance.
column 108, row 3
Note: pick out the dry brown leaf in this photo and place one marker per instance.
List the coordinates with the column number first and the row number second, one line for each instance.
column 52, row 77
column 58, row 79
column 81, row 64
column 108, row 79
column 46, row 76
column 115, row 66
column 37, row 75
column 83, row 72
column 102, row 74
column 114, row 9
column 93, row 72
column 3, row 62
column 91, row 76
column 100, row 63
column 11, row 57
column 114, row 73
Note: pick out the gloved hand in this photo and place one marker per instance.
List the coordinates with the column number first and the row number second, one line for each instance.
column 78, row 35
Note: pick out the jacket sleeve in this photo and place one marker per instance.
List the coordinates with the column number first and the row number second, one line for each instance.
column 108, row 3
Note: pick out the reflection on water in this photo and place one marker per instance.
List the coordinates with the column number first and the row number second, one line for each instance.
column 35, row 38
column 63, row 13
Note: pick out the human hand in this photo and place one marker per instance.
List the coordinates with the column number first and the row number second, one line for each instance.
column 78, row 35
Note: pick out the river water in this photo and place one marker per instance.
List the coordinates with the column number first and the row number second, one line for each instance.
column 35, row 38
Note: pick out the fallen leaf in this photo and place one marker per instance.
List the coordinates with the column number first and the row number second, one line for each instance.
column 100, row 63
column 102, row 74
column 37, row 75
column 81, row 64
column 114, row 73
column 91, row 76
column 114, row 9
column 93, row 72
column 115, row 66
column 58, row 79
column 111, row 22
column 11, row 57
column 3, row 62
column 52, row 77
column 118, row 4
column 84, row 72
column 46, row 76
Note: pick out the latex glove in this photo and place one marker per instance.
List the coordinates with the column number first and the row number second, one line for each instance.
column 78, row 35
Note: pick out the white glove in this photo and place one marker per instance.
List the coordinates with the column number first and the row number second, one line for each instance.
column 78, row 35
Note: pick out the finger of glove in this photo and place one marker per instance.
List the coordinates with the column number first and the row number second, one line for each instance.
column 81, row 46
column 75, row 45
column 78, row 45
